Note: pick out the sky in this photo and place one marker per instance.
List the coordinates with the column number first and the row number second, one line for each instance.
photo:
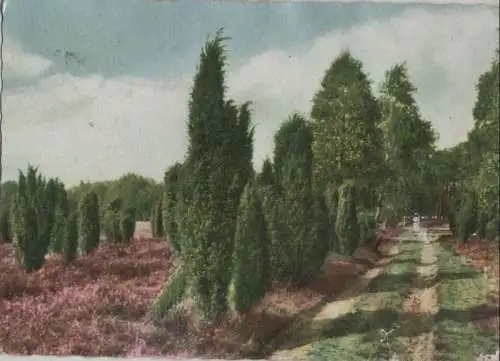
column 135, row 60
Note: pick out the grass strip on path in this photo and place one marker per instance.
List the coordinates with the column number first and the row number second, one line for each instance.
column 415, row 334
column 462, row 296
column 357, row 335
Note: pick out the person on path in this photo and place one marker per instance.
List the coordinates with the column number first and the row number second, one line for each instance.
column 416, row 222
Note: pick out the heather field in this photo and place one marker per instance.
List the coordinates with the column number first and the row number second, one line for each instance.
column 99, row 306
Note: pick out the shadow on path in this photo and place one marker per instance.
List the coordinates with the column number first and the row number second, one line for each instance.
column 390, row 282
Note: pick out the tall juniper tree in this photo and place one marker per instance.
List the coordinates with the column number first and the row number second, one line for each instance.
column 33, row 215
column 217, row 167
column 89, row 225
column 61, row 215
column 171, row 193
column 251, row 261
column 296, row 227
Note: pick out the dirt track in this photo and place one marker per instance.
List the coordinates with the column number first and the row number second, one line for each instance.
column 404, row 302
column 424, row 302
column 343, row 306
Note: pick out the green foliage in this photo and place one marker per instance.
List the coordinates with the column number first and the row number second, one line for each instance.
column 331, row 203
column 61, row 215
column 347, row 226
column 127, row 222
column 321, row 238
column 296, row 219
column 70, row 242
column 409, row 182
column 266, row 176
column 299, row 202
column 111, row 220
column 76, row 194
column 5, row 226
column 171, row 295
column 486, row 87
column 251, row 260
column 367, row 226
column 454, row 217
column 482, row 221
column 8, row 192
column 33, row 215
column 293, row 137
column 347, row 138
column 217, row 167
column 90, row 227
column 492, row 229
column 280, row 250
column 141, row 192
column 195, row 230
column 467, row 220
column 171, row 182
column 157, row 219
column 475, row 163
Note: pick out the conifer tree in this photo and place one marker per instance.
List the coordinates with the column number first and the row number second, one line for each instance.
column 296, row 252
column 170, row 210
column 266, row 177
column 157, row 219
column 112, row 220
column 467, row 217
column 70, row 242
column 61, row 215
column 294, row 137
column 127, row 222
column 5, row 225
column 89, row 227
column 217, row 167
column 33, row 216
column 251, row 259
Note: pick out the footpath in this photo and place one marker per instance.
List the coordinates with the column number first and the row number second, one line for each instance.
column 421, row 306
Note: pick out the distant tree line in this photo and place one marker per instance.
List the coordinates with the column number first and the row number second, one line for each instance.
column 40, row 216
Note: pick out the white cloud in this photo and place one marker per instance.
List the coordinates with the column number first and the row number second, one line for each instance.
column 20, row 63
column 140, row 124
column 445, row 53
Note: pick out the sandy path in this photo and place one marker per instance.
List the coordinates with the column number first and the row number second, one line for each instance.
column 423, row 301
column 344, row 304
column 331, row 311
